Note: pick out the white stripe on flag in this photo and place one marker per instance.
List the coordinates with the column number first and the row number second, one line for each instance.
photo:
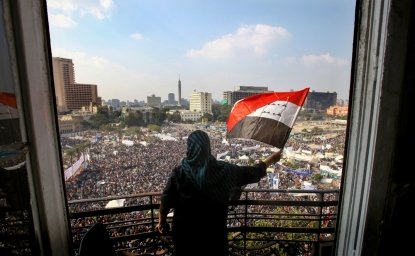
column 281, row 111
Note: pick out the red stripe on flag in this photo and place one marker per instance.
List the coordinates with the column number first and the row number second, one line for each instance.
column 246, row 106
column 8, row 99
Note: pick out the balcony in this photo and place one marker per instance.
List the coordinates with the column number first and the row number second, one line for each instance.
column 261, row 222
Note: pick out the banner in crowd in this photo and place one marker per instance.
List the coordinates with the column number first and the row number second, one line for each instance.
column 75, row 168
column 303, row 172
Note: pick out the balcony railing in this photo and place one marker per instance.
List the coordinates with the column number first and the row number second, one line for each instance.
column 261, row 222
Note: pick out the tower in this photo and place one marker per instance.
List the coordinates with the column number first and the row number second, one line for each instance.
column 179, row 85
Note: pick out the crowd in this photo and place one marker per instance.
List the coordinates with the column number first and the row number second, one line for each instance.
column 116, row 169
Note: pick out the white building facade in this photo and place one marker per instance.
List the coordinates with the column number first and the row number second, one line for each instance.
column 201, row 102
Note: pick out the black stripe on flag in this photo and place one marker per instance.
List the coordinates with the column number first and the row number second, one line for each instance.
column 262, row 129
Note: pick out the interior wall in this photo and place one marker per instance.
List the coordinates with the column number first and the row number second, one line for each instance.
column 392, row 182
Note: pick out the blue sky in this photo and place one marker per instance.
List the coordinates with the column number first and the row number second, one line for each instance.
column 135, row 48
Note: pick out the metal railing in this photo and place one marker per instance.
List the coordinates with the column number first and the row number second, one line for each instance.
column 261, row 222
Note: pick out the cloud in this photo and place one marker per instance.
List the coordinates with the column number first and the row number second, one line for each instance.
column 80, row 58
column 137, row 36
column 323, row 59
column 100, row 9
column 247, row 40
column 127, row 83
column 61, row 21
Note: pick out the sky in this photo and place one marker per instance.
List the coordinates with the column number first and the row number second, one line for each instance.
column 136, row 48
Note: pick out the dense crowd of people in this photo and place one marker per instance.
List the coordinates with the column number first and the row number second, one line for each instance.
column 115, row 169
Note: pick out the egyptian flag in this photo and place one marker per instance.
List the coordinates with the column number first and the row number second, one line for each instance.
column 266, row 117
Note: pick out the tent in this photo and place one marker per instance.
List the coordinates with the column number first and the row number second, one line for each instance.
column 115, row 203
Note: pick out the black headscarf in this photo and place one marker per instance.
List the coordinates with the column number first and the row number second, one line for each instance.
column 198, row 158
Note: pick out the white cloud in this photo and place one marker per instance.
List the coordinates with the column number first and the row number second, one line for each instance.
column 247, row 40
column 61, row 5
column 100, row 9
column 80, row 58
column 113, row 79
column 137, row 36
column 61, row 21
column 289, row 60
column 323, row 59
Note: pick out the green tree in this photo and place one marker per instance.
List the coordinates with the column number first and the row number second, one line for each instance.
column 154, row 127
column 221, row 112
column 317, row 177
column 176, row 117
column 97, row 120
column 133, row 118
column 70, row 153
column 206, row 116
column 158, row 116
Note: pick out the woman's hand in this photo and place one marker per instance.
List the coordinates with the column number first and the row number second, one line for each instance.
column 274, row 157
column 163, row 227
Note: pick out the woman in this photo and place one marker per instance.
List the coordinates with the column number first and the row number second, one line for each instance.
column 199, row 191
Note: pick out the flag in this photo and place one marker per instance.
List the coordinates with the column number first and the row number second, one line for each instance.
column 8, row 99
column 266, row 117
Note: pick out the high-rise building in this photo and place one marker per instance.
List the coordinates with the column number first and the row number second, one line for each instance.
column 170, row 99
column 230, row 97
column 115, row 103
column 81, row 95
column 320, row 101
column 69, row 94
column 63, row 75
column 201, row 102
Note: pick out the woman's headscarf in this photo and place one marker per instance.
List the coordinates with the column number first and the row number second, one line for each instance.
column 198, row 157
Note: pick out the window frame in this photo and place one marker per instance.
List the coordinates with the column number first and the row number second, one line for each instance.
column 49, row 205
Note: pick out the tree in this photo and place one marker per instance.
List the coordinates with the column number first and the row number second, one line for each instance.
column 316, row 130
column 103, row 111
column 175, row 117
column 96, row 121
column 317, row 177
column 221, row 112
column 206, row 117
column 158, row 116
column 70, row 152
column 154, row 127
column 133, row 118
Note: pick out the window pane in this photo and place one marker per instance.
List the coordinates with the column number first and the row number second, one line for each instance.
column 16, row 224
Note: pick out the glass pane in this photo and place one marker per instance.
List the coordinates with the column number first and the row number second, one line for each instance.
column 16, row 225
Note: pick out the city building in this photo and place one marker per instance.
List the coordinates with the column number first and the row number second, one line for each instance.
column 320, row 101
column 63, row 75
column 114, row 103
column 145, row 112
column 337, row 111
column 81, row 95
column 231, row 97
column 170, row 99
column 342, row 102
column 188, row 115
column 70, row 123
column 154, row 101
column 201, row 102
column 69, row 94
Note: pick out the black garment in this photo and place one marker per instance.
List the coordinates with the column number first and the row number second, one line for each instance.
column 96, row 241
column 199, row 221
